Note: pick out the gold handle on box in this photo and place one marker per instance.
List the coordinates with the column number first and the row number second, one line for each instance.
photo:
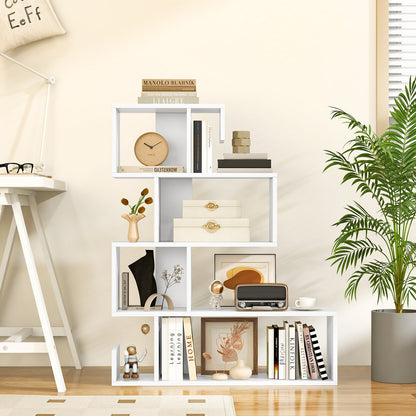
column 211, row 206
column 211, row 226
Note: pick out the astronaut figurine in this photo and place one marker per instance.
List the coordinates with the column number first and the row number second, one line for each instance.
column 131, row 362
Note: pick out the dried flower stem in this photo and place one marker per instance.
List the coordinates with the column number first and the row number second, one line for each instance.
column 171, row 279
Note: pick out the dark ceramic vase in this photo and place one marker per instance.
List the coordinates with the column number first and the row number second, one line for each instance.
column 142, row 270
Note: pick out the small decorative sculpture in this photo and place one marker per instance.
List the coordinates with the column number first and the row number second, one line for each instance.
column 145, row 329
column 216, row 376
column 216, row 288
column 131, row 362
column 142, row 270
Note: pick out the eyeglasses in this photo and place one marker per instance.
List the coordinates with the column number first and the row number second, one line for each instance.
column 16, row 167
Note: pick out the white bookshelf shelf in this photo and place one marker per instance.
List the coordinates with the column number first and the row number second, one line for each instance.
column 169, row 190
column 247, row 175
column 152, row 379
column 126, row 244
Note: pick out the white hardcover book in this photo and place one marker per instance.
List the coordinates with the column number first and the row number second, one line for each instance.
column 178, row 349
column 166, row 99
column 210, row 140
column 270, row 352
column 286, row 326
column 204, row 147
column 303, row 362
column 189, row 348
column 246, row 155
column 150, row 169
column 164, row 356
column 172, row 350
column 292, row 353
column 282, row 353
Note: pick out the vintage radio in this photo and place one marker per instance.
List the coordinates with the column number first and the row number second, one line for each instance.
column 261, row 297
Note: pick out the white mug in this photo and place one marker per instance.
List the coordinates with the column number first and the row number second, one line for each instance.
column 305, row 302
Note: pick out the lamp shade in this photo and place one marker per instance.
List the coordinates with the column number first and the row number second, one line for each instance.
column 24, row 21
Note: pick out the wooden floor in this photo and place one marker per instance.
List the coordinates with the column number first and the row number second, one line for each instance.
column 355, row 394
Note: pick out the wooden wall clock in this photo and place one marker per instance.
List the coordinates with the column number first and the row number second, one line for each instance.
column 151, row 149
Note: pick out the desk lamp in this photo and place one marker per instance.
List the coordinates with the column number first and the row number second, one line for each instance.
column 23, row 22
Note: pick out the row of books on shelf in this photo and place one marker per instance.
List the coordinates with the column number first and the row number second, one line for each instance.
column 177, row 352
column 293, row 352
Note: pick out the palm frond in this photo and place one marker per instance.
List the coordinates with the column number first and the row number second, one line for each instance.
column 352, row 252
column 384, row 168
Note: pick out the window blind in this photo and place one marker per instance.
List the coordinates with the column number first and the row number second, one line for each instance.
column 402, row 45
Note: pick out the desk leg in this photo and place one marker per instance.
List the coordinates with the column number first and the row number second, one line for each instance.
column 54, row 280
column 37, row 291
column 7, row 251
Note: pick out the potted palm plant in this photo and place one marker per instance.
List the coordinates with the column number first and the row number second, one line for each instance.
column 376, row 242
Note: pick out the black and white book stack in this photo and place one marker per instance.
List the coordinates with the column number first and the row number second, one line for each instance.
column 241, row 160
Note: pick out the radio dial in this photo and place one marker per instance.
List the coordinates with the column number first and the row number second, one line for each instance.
column 280, row 304
column 242, row 305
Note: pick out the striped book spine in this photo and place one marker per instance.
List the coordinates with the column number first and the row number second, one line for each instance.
column 318, row 354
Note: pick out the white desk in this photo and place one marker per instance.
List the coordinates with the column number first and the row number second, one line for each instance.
column 17, row 191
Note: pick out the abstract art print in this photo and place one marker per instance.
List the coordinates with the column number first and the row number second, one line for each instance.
column 226, row 340
column 234, row 269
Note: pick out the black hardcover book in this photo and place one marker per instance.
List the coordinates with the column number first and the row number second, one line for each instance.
column 276, row 352
column 197, row 146
column 244, row 163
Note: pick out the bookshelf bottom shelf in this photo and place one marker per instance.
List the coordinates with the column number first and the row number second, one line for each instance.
column 148, row 379
column 256, row 380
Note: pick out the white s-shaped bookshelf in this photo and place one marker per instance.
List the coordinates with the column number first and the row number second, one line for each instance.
column 174, row 122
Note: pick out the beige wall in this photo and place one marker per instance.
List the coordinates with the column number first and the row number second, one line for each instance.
column 276, row 65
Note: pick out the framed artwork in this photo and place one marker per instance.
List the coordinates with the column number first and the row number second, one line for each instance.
column 233, row 269
column 226, row 340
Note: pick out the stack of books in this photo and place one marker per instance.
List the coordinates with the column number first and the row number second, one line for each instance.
column 244, row 162
column 293, row 352
column 168, row 91
column 241, row 160
column 202, row 147
column 177, row 352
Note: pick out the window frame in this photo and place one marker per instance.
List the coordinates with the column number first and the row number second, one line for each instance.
column 382, row 66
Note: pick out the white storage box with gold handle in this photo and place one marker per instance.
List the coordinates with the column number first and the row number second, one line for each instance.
column 211, row 230
column 210, row 208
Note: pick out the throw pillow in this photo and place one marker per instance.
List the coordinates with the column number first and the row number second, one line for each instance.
column 25, row 21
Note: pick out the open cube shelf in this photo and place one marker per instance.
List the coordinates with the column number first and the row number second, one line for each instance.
column 260, row 379
column 172, row 121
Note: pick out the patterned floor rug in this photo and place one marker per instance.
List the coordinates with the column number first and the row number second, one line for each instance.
column 14, row 405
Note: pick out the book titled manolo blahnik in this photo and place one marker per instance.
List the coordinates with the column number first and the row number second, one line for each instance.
column 168, row 84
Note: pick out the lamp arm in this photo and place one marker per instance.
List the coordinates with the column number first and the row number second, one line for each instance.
column 50, row 80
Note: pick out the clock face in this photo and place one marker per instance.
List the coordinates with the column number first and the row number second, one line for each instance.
column 151, row 149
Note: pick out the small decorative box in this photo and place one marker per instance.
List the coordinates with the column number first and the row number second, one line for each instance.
column 211, row 230
column 211, row 209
